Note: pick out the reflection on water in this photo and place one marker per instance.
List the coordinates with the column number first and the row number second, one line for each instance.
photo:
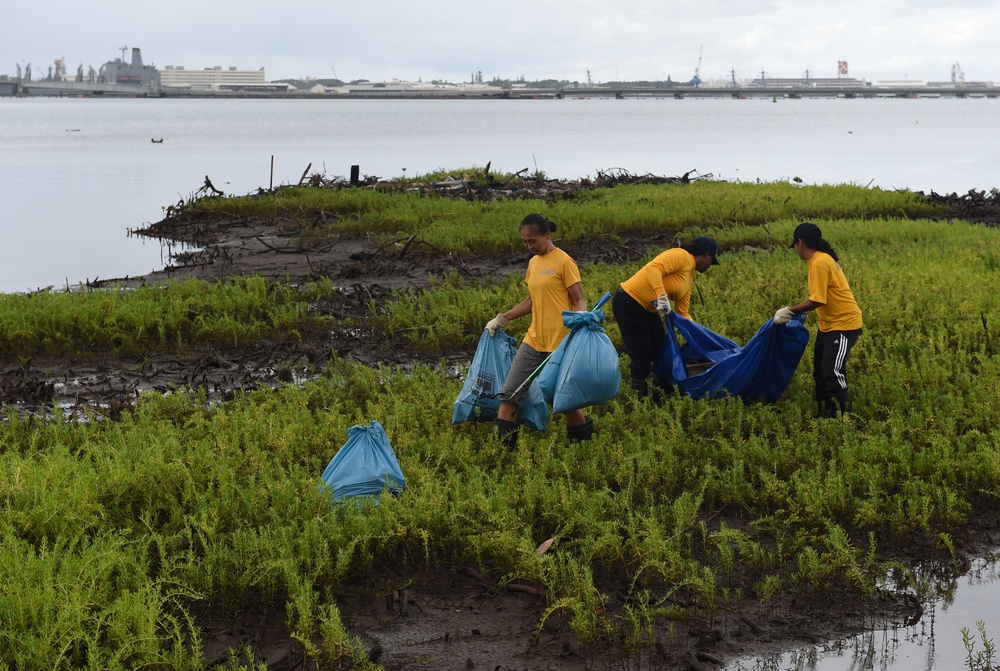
column 952, row 600
column 175, row 253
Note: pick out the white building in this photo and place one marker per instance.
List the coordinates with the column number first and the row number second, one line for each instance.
column 899, row 83
column 211, row 79
column 397, row 88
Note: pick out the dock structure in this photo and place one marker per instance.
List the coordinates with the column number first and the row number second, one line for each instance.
column 896, row 91
column 152, row 89
column 54, row 89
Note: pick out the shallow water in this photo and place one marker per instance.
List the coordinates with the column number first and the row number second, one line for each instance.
column 78, row 174
column 934, row 643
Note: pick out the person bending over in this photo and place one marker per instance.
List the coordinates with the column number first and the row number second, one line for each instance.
column 640, row 303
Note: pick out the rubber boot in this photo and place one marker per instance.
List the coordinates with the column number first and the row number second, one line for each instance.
column 506, row 432
column 581, row 432
column 641, row 388
column 825, row 407
column 842, row 402
column 661, row 389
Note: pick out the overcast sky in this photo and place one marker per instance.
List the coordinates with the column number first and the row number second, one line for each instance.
column 536, row 39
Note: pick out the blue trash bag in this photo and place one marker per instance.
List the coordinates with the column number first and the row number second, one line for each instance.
column 583, row 369
column 365, row 466
column 758, row 371
column 478, row 402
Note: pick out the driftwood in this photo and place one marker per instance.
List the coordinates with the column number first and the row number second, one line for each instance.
column 304, row 173
column 754, row 627
column 491, row 586
column 486, row 186
column 703, row 656
column 978, row 206
column 208, row 187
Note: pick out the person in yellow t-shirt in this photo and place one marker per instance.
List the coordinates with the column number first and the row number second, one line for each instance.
column 839, row 318
column 640, row 302
column 554, row 285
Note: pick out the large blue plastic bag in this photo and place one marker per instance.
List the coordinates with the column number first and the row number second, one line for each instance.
column 365, row 466
column 758, row 371
column 478, row 402
column 583, row 369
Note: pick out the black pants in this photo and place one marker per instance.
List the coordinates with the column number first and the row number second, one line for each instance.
column 642, row 333
column 830, row 362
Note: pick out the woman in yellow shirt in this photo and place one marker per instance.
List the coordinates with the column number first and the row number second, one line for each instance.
column 641, row 301
column 839, row 318
column 554, row 285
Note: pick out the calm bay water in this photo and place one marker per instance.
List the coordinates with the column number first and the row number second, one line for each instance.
column 77, row 174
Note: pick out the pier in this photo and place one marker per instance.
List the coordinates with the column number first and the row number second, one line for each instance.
column 679, row 92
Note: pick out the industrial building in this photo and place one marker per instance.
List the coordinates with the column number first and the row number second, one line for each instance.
column 217, row 79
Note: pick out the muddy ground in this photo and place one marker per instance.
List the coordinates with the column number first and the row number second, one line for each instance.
column 454, row 618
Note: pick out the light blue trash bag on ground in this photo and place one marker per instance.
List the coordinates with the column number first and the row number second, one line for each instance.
column 365, row 466
column 478, row 402
column 583, row 369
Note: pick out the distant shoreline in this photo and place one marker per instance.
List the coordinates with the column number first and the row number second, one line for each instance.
column 13, row 88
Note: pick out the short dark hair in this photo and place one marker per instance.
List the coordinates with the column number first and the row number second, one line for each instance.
column 539, row 223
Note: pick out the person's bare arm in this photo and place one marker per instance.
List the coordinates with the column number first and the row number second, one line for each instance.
column 521, row 309
column 806, row 306
column 576, row 297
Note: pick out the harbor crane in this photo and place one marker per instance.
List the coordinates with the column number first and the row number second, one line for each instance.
column 957, row 76
column 697, row 71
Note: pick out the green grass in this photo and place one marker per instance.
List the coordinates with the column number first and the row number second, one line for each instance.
column 118, row 532
column 235, row 313
column 459, row 225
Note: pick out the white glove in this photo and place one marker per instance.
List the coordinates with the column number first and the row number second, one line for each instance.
column 497, row 322
column 663, row 303
column 783, row 316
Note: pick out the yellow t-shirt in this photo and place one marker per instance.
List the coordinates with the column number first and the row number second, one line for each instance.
column 549, row 277
column 828, row 285
column 671, row 273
